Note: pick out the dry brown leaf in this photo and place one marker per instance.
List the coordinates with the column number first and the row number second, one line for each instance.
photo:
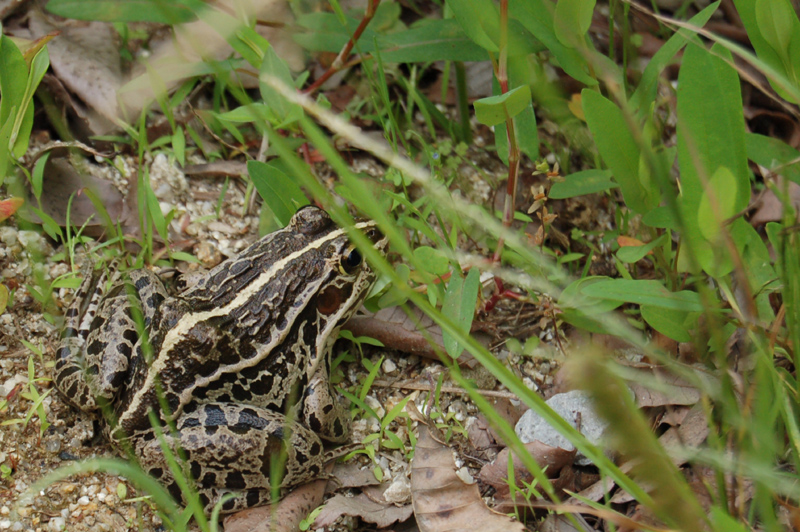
column 442, row 501
column 396, row 330
column 192, row 43
column 770, row 207
column 62, row 180
column 283, row 516
column 496, row 473
column 381, row 515
column 674, row 391
column 480, row 434
column 85, row 57
column 352, row 475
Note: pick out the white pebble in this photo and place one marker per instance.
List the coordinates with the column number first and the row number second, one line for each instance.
column 56, row 524
column 389, row 366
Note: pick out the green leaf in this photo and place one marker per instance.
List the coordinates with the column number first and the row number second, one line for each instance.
column 572, row 20
column 646, row 90
column 574, row 297
column 480, row 21
column 253, row 112
column 721, row 192
column 158, row 11
column 631, row 254
column 711, row 135
column 432, row 260
column 537, row 17
column 274, row 66
column 435, row 40
column 13, row 78
column 37, row 175
column 459, row 305
column 763, row 38
column 618, row 149
column 669, row 322
column 775, row 19
column 23, row 123
column 279, row 192
column 775, row 155
column 662, row 217
column 644, row 292
column 582, row 183
column 495, row 109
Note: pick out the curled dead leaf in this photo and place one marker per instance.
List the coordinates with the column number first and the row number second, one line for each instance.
column 382, row 515
column 553, row 458
column 442, row 501
column 283, row 516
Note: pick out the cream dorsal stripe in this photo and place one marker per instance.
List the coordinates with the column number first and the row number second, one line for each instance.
column 188, row 321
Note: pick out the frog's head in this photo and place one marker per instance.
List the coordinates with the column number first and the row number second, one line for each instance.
column 307, row 277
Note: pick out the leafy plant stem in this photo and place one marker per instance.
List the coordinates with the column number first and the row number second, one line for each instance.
column 341, row 59
column 513, row 148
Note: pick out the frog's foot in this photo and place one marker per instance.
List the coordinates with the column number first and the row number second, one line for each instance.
column 236, row 448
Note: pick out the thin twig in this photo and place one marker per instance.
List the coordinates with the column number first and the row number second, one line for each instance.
column 444, row 389
column 341, row 59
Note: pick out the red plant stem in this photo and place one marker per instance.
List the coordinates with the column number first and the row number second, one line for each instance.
column 340, row 60
column 513, row 149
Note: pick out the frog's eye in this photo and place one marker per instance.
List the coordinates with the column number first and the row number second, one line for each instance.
column 351, row 260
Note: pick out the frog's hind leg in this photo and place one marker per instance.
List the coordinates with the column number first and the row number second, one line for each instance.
column 232, row 448
column 102, row 335
column 70, row 369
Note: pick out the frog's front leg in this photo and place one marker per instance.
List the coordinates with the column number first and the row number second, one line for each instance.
column 101, row 336
column 323, row 411
column 238, row 449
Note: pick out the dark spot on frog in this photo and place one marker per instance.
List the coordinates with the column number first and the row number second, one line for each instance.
column 69, row 370
column 229, row 505
column 96, row 347
column 196, row 469
column 156, row 472
column 316, row 449
column 69, row 332
column 253, row 497
column 142, row 282
column 209, row 479
column 262, row 386
column 338, row 429
column 314, row 423
column 327, row 409
column 315, row 470
column 174, row 490
column 235, row 480
column 240, row 393
column 155, row 300
column 210, row 431
column 208, row 368
column 214, row 415
column 124, row 350
column 204, row 500
column 130, row 336
column 190, row 422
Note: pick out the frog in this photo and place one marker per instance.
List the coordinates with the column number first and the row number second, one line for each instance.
column 233, row 371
